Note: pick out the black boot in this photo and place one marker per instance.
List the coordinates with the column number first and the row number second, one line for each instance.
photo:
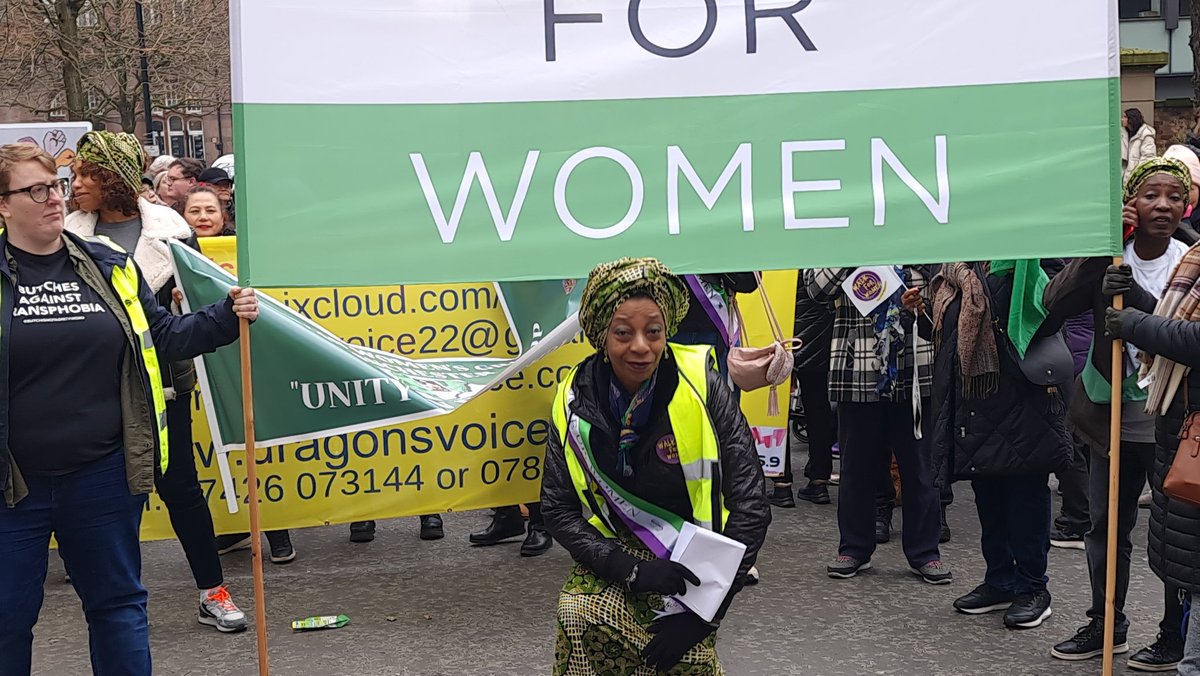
column 781, row 496
column 362, row 531
column 945, row 535
column 282, row 550
column 538, row 542
column 431, row 527
column 816, row 493
column 883, row 525
column 506, row 523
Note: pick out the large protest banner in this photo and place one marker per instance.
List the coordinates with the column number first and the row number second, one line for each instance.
column 484, row 453
column 516, row 139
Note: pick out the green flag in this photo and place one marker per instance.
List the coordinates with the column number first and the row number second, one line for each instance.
column 309, row 384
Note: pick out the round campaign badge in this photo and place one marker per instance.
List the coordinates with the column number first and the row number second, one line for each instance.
column 867, row 286
column 667, row 450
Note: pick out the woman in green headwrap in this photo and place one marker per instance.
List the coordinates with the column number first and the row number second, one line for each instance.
column 646, row 438
column 106, row 194
column 1155, row 199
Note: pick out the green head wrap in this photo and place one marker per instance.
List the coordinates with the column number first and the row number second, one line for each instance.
column 121, row 154
column 1156, row 165
column 611, row 284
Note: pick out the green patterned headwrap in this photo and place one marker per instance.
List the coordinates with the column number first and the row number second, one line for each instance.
column 121, row 154
column 1156, row 165
column 611, row 284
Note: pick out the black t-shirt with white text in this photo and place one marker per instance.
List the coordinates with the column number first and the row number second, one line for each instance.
column 65, row 351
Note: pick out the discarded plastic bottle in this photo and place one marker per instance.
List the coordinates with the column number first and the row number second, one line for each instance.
column 320, row 622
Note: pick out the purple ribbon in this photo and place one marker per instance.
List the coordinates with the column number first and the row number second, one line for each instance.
column 723, row 324
column 648, row 538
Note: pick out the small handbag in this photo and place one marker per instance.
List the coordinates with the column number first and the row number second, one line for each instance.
column 1183, row 479
column 752, row 368
column 1047, row 361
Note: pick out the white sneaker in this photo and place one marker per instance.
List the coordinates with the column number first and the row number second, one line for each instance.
column 752, row 576
column 217, row 610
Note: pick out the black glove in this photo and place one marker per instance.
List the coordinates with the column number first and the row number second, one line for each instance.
column 1118, row 279
column 674, row 635
column 1117, row 321
column 662, row 577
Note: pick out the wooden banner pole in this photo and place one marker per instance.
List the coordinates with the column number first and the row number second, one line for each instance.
column 256, row 554
column 1114, row 486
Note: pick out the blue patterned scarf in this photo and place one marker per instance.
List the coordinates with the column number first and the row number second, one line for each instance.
column 633, row 412
column 889, row 342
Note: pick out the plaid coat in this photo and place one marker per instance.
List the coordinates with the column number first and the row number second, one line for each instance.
column 854, row 368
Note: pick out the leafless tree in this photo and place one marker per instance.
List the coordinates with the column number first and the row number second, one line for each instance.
column 82, row 56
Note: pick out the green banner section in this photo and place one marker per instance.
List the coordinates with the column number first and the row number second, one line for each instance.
column 309, row 384
column 546, row 190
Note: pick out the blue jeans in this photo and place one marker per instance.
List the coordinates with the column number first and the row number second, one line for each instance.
column 1014, row 514
column 1190, row 666
column 96, row 522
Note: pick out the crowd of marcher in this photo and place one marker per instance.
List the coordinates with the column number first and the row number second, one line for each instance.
column 993, row 372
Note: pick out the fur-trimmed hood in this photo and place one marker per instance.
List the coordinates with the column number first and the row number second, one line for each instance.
column 153, row 253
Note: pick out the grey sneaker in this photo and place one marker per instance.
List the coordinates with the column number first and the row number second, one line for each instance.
column 846, row 567
column 934, row 572
column 217, row 610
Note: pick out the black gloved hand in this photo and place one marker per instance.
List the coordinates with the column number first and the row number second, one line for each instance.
column 1117, row 321
column 662, row 577
column 674, row 635
column 1118, row 279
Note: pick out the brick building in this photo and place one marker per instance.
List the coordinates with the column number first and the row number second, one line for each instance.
column 187, row 45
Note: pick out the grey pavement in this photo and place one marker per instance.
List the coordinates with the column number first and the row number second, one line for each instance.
column 445, row 608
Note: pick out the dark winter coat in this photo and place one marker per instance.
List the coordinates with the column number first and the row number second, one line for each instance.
column 175, row 338
column 697, row 320
column 814, row 327
column 1174, row 539
column 741, row 477
column 1073, row 291
column 1017, row 431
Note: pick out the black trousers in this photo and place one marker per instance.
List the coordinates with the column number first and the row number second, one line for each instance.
column 1073, row 483
column 1137, row 461
column 820, row 422
column 885, row 499
column 869, row 434
column 1014, row 517
column 180, row 490
column 535, row 513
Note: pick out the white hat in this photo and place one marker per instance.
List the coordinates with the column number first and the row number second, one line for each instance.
column 1188, row 157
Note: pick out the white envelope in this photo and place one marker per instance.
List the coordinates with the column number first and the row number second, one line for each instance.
column 714, row 559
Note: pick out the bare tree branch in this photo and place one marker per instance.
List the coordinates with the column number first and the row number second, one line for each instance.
column 82, row 56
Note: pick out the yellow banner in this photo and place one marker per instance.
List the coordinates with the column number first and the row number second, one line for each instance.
column 485, row 454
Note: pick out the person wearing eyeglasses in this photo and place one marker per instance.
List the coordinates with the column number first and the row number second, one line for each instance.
column 181, row 177
column 83, row 342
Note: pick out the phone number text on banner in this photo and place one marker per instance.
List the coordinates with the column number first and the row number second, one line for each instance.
column 485, row 453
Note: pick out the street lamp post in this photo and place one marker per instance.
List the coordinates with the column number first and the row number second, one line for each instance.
column 147, row 111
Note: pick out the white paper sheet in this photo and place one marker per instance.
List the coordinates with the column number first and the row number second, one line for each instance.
column 714, row 559
column 868, row 287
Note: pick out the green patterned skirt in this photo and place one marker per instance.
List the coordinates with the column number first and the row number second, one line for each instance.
column 602, row 628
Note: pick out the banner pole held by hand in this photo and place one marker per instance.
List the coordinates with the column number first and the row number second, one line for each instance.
column 1114, row 484
column 256, row 554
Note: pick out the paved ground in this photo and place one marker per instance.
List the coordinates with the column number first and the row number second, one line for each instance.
column 444, row 608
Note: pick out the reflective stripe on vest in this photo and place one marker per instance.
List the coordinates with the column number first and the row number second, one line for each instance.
column 699, row 450
column 125, row 283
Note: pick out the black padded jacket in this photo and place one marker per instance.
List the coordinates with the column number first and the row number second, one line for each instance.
column 1174, row 539
column 741, row 480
